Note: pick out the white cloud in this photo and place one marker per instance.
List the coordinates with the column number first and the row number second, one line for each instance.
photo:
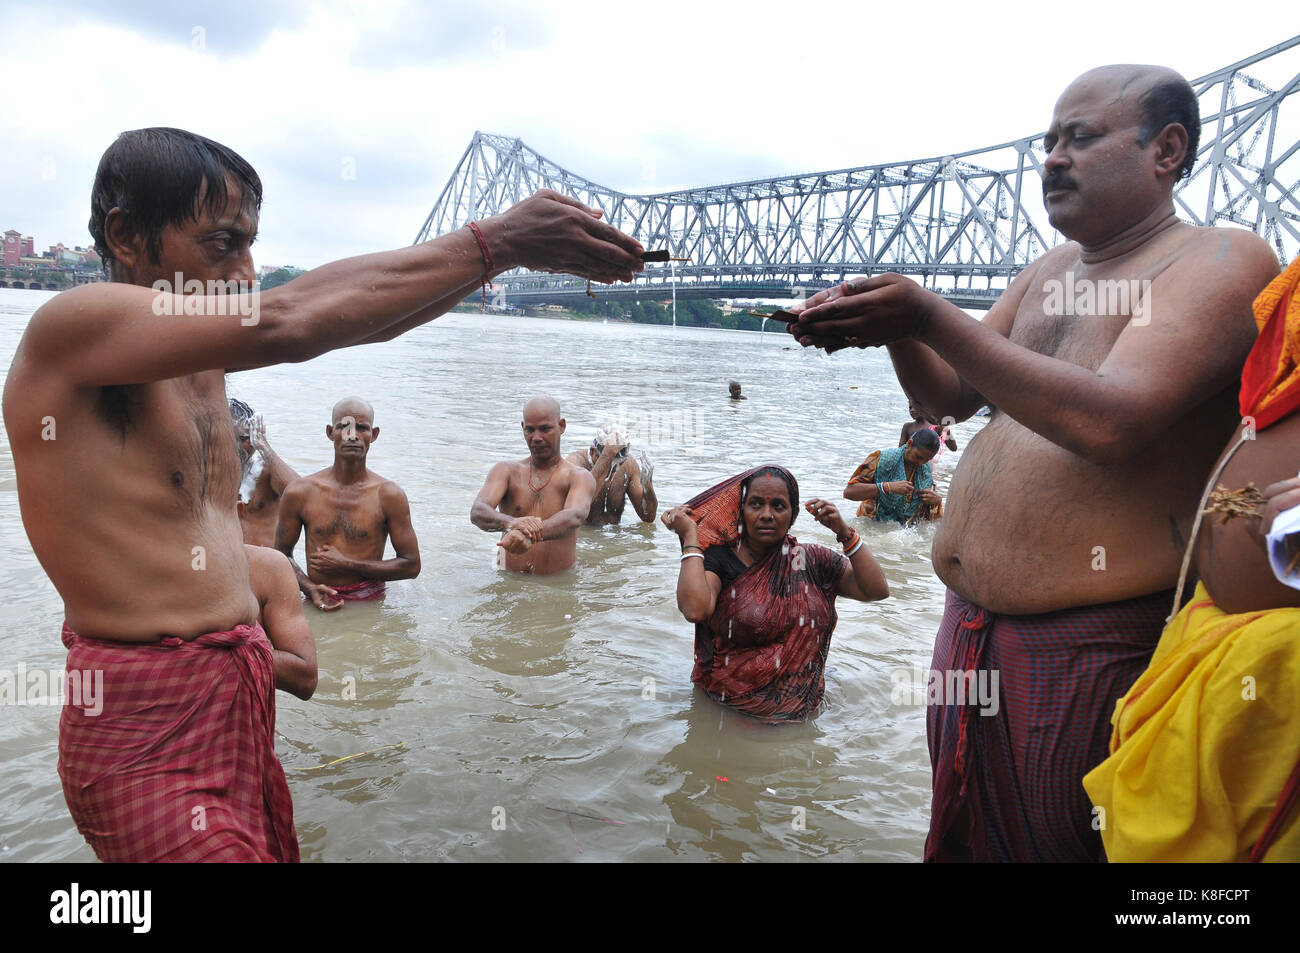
column 691, row 92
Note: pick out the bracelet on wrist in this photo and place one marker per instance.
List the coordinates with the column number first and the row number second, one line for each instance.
column 689, row 555
column 857, row 546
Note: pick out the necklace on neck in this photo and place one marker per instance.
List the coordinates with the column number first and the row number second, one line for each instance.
column 538, row 489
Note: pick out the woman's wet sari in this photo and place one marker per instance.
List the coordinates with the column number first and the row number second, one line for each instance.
column 763, row 650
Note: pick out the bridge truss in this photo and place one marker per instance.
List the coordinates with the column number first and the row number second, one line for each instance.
column 962, row 224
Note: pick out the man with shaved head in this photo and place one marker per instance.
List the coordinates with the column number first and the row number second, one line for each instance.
column 349, row 513
column 538, row 503
column 1112, row 361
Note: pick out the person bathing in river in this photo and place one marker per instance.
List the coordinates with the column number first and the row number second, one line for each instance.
column 619, row 477
column 349, row 514
column 898, row 484
column 920, row 422
column 264, row 476
column 763, row 603
column 537, row 503
column 1065, row 526
column 125, row 515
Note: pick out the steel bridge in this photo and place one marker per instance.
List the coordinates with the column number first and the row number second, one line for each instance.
column 962, row 224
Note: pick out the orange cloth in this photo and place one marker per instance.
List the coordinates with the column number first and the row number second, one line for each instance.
column 1270, row 381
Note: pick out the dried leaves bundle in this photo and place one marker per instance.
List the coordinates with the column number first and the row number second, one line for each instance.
column 1232, row 503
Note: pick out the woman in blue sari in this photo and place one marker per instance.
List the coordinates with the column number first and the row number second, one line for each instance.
column 897, row 484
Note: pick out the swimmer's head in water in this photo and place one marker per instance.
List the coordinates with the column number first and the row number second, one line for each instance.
column 160, row 177
column 353, row 428
column 543, row 426
column 769, row 497
column 734, row 387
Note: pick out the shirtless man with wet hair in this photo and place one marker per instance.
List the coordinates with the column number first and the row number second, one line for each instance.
column 537, row 503
column 128, row 473
column 1069, row 512
column 349, row 513
column 619, row 477
column 264, row 476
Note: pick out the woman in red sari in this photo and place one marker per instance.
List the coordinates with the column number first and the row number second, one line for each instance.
column 763, row 604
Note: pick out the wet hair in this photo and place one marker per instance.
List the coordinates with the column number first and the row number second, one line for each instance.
column 785, row 476
column 240, row 411
column 1170, row 101
column 926, row 439
column 160, row 177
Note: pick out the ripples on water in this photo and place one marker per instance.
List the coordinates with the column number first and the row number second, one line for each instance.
column 481, row 695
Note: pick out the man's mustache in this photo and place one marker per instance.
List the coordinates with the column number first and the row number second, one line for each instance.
column 1057, row 180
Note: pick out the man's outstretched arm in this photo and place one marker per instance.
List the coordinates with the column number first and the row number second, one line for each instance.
column 115, row 333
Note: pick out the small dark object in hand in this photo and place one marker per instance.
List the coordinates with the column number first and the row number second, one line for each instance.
column 660, row 255
column 789, row 317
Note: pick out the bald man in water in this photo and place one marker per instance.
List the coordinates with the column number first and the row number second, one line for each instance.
column 537, row 503
column 349, row 514
column 1113, row 362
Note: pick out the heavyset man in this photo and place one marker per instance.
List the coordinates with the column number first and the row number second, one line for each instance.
column 128, row 473
column 1068, row 513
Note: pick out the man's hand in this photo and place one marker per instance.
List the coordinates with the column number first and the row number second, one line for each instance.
column 530, row 526
column 613, row 448
column 516, row 542
column 827, row 514
column 323, row 597
column 552, row 232
column 257, row 435
column 863, row 312
column 327, row 559
column 1278, row 497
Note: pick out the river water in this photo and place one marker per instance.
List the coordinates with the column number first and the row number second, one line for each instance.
column 505, row 717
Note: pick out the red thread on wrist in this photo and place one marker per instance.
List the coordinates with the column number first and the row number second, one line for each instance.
column 488, row 264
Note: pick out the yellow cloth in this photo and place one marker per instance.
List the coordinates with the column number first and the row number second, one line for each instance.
column 1196, row 763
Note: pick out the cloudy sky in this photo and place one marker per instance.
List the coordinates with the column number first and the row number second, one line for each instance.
column 642, row 97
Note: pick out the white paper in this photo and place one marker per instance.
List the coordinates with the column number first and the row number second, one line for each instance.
column 1286, row 524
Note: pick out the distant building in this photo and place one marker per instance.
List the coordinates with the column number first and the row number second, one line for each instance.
column 13, row 247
